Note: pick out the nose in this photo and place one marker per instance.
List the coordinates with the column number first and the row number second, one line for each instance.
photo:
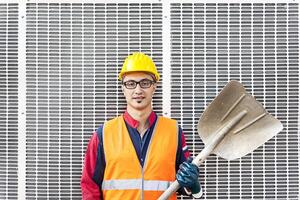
column 138, row 89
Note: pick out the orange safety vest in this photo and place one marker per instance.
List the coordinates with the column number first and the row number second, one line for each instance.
column 124, row 177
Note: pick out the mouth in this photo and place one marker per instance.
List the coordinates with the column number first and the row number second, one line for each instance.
column 138, row 99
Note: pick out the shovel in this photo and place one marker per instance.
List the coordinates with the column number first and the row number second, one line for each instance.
column 233, row 125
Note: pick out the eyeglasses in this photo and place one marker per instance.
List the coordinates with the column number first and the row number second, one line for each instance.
column 144, row 83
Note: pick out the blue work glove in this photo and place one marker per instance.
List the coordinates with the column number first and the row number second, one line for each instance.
column 187, row 176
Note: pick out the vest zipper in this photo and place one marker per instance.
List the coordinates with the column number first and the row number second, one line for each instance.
column 142, row 183
column 146, row 160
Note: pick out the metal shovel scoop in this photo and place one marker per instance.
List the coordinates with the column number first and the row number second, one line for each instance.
column 233, row 125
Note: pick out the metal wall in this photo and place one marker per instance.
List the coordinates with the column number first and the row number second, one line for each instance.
column 74, row 54
column 59, row 63
column 8, row 100
column 257, row 44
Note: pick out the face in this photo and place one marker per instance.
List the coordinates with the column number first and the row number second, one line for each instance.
column 138, row 98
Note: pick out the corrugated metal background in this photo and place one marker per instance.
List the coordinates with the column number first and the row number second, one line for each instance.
column 257, row 44
column 74, row 51
column 8, row 100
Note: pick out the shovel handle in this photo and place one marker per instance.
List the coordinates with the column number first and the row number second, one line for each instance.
column 175, row 185
column 171, row 189
column 219, row 135
column 197, row 161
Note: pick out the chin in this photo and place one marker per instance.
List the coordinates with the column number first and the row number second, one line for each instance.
column 138, row 106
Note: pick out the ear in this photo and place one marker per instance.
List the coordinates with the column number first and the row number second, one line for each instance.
column 122, row 86
column 154, row 88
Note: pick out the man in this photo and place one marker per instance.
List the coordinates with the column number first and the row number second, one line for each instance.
column 136, row 155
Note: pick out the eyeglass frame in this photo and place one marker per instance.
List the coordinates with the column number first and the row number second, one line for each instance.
column 138, row 83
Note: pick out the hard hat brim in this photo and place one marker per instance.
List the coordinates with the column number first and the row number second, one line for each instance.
column 155, row 76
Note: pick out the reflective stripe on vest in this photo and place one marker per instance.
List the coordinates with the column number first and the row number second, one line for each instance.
column 124, row 177
column 130, row 184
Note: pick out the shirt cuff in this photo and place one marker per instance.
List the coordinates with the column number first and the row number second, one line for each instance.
column 196, row 196
column 187, row 191
column 199, row 194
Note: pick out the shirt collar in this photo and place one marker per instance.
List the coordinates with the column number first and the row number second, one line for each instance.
column 134, row 123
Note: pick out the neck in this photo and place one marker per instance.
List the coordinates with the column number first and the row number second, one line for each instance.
column 141, row 116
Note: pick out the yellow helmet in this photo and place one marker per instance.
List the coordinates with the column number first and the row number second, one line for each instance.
column 139, row 62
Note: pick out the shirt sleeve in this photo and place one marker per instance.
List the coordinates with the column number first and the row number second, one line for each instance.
column 93, row 166
column 182, row 155
column 182, row 150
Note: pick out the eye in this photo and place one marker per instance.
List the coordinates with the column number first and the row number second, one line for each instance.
column 145, row 83
column 130, row 84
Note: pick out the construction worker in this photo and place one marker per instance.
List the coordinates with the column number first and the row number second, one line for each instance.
column 139, row 154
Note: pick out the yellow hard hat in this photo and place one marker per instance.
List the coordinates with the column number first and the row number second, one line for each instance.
column 139, row 62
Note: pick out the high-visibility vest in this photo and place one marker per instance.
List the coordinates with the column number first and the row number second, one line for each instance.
column 124, row 177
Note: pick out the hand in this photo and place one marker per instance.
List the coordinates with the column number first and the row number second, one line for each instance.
column 187, row 176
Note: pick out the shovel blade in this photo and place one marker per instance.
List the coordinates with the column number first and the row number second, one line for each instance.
column 257, row 127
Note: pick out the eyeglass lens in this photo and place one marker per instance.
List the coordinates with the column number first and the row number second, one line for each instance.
column 131, row 84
